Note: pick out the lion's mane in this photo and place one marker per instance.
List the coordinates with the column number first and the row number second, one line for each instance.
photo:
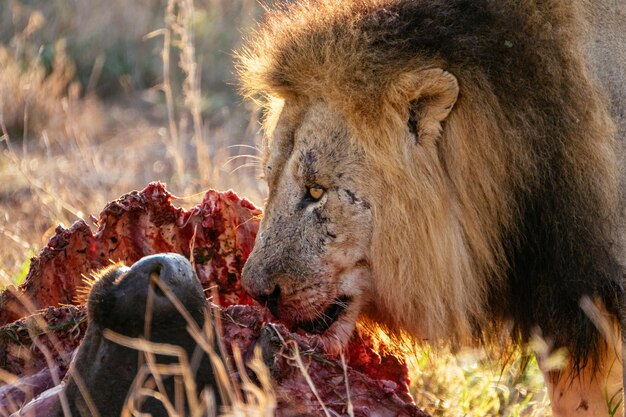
column 515, row 220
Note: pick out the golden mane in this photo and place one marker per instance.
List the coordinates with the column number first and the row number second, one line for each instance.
column 464, row 221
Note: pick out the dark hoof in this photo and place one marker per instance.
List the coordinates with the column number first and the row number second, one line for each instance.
column 143, row 301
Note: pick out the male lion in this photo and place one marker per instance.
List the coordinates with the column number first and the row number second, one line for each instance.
column 448, row 169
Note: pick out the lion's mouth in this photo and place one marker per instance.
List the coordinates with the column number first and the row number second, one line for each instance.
column 323, row 322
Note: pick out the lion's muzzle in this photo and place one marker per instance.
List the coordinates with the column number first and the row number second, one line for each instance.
column 261, row 283
column 302, row 301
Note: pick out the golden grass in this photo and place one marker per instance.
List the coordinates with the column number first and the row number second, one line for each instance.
column 472, row 383
column 100, row 99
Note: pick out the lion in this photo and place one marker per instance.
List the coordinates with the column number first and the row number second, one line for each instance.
column 450, row 170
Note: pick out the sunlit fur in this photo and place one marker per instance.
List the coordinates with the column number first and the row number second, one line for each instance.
column 509, row 215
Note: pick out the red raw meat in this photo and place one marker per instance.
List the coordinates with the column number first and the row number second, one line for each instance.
column 217, row 235
column 140, row 224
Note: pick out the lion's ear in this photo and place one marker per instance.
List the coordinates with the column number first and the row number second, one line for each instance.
column 432, row 94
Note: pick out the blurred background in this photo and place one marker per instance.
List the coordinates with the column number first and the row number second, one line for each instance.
column 98, row 98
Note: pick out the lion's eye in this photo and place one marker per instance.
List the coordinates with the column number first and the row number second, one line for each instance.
column 315, row 192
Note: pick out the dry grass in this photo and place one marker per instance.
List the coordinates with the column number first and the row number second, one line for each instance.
column 67, row 151
column 473, row 383
column 99, row 98
column 240, row 399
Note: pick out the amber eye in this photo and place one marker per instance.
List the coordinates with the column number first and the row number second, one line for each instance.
column 315, row 192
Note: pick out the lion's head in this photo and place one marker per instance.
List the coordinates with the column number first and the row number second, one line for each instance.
column 354, row 193
column 343, row 217
column 422, row 159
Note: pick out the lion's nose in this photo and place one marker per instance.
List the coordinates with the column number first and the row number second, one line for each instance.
column 261, row 284
column 270, row 300
column 267, row 295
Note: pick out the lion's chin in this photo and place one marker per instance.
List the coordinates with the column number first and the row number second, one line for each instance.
column 336, row 326
column 337, row 308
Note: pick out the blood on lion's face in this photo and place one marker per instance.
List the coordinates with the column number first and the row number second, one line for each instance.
column 310, row 265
